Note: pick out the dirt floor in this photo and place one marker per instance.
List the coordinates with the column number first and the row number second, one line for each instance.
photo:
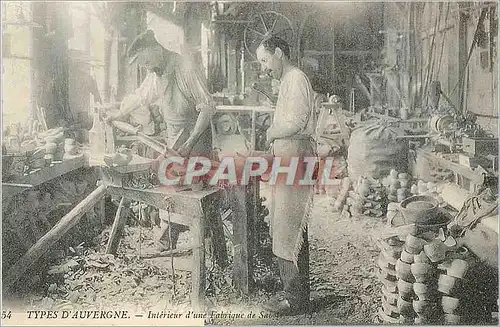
column 344, row 283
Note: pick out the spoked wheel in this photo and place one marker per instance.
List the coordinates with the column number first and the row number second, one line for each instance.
column 265, row 24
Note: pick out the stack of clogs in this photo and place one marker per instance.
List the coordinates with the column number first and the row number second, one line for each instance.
column 391, row 249
column 367, row 198
column 397, row 185
column 452, row 284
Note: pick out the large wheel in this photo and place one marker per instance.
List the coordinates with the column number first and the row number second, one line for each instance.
column 265, row 24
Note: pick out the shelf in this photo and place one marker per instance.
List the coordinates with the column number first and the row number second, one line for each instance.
column 55, row 170
column 474, row 177
column 245, row 108
column 41, row 176
column 319, row 53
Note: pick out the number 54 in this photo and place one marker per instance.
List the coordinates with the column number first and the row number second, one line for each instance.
column 6, row 314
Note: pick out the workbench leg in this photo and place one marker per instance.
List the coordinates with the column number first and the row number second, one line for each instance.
column 198, row 273
column 218, row 239
column 118, row 224
column 241, row 260
column 100, row 211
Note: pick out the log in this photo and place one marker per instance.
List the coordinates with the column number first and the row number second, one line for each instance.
column 45, row 242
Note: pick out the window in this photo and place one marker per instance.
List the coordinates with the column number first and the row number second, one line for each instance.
column 17, row 74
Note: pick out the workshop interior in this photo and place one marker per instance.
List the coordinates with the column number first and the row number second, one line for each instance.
column 405, row 104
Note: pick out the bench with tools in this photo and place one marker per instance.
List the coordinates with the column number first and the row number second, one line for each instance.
column 196, row 208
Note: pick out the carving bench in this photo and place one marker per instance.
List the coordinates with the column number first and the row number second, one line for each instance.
column 197, row 209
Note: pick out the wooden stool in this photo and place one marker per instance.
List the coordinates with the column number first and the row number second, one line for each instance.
column 199, row 210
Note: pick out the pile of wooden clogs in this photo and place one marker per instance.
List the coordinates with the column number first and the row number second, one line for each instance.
column 391, row 249
column 426, row 280
column 397, row 185
column 368, row 198
column 365, row 197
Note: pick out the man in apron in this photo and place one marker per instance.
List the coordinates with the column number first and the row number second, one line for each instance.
column 179, row 89
column 291, row 136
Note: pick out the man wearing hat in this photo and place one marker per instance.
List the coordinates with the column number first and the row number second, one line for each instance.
column 178, row 88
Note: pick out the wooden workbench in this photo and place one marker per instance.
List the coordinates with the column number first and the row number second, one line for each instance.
column 465, row 177
column 199, row 208
column 41, row 176
column 196, row 209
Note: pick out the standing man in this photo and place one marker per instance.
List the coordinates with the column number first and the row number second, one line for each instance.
column 178, row 88
column 291, row 136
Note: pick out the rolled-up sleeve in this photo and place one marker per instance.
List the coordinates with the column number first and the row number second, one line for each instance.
column 193, row 84
column 295, row 106
column 148, row 92
column 143, row 96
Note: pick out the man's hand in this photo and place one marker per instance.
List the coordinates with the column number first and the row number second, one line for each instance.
column 110, row 117
column 270, row 137
column 185, row 149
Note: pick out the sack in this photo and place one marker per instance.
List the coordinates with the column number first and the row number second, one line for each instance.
column 374, row 150
column 483, row 242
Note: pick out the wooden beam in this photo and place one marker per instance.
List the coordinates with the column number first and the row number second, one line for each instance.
column 241, row 268
column 166, row 254
column 117, row 228
column 198, row 273
column 214, row 221
column 185, row 203
column 52, row 236
column 463, row 50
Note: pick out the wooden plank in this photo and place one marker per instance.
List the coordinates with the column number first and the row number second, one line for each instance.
column 11, row 189
column 262, row 109
column 45, row 242
column 137, row 164
column 166, row 254
column 464, row 171
column 241, row 268
column 185, row 202
column 54, row 171
column 117, row 228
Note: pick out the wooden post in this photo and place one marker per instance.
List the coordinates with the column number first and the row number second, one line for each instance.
column 241, row 269
column 52, row 236
column 100, row 211
column 463, row 50
column 118, row 224
column 218, row 239
column 198, row 272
